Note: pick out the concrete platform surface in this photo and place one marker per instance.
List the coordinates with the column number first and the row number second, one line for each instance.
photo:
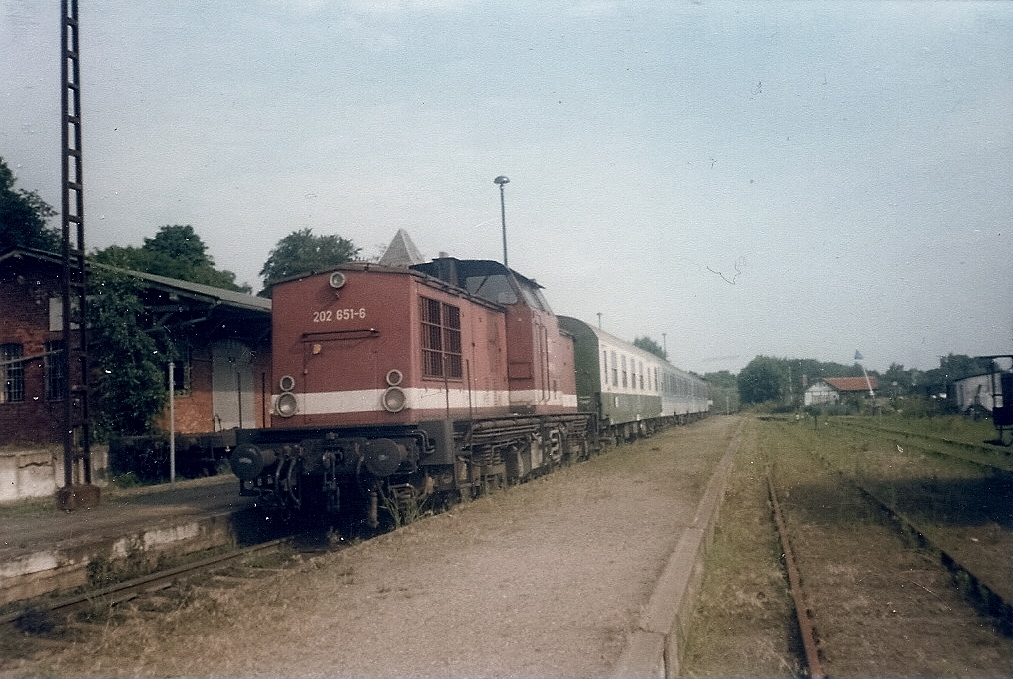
column 43, row 548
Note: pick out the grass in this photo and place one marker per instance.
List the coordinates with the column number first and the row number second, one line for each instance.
column 742, row 625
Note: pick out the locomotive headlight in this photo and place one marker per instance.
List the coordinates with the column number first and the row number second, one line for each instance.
column 394, row 400
column 287, row 383
column 337, row 280
column 286, row 405
column 394, row 377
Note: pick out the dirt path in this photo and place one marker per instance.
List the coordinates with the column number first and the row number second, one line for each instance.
column 544, row 579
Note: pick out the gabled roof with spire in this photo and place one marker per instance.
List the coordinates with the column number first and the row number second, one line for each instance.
column 402, row 251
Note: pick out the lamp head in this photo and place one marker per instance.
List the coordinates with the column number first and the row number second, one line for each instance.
column 501, row 180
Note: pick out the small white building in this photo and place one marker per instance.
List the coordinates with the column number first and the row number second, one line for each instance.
column 821, row 393
column 974, row 392
column 829, row 390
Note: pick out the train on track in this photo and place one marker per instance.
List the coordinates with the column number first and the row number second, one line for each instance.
column 401, row 386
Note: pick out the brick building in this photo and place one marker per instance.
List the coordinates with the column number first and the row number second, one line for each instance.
column 222, row 381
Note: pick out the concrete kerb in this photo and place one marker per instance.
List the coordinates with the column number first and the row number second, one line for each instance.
column 655, row 646
column 67, row 567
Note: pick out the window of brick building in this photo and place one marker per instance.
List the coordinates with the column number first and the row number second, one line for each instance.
column 56, row 371
column 12, row 373
column 181, row 369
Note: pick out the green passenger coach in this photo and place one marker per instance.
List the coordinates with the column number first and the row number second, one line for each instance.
column 632, row 391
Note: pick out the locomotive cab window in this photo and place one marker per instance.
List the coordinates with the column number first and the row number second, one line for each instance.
column 495, row 288
column 441, row 339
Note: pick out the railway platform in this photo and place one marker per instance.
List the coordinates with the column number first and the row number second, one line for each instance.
column 592, row 570
column 43, row 549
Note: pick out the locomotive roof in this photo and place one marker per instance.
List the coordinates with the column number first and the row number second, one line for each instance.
column 448, row 271
column 455, row 269
column 430, row 278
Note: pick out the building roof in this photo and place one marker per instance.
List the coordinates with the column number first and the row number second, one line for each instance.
column 194, row 291
column 852, row 383
column 206, row 292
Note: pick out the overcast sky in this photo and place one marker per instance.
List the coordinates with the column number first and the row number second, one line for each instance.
column 793, row 179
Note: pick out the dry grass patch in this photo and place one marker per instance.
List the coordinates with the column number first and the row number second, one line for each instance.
column 742, row 625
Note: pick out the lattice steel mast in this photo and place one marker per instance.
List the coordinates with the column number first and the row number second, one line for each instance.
column 77, row 490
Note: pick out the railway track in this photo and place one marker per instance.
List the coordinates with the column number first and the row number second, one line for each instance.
column 61, row 621
column 999, row 458
column 876, row 591
column 809, row 616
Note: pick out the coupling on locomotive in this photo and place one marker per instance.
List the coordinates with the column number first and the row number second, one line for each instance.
column 395, row 386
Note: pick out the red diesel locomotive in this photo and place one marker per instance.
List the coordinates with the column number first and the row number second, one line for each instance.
column 395, row 386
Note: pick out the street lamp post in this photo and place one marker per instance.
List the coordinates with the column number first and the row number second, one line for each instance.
column 501, row 180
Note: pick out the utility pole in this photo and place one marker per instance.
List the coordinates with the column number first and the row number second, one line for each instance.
column 502, row 181
column 78, row 490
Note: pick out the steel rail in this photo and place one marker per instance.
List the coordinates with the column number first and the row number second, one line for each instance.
column 129, row 589
column 805, row 623
column 929, row 439
column 984, row 597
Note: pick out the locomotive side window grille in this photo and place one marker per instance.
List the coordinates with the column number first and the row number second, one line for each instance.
column 56, row 371
column 441, row 339
column 12, row 372
column 640, row 368
column 605, row 366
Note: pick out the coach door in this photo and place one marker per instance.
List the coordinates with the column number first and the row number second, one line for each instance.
column 232, row 383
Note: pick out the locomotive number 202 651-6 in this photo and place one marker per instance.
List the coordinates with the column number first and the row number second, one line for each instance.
column 328, row 315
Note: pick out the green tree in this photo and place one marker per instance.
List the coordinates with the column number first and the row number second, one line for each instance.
column 762, row 380
column 647, row 344
column 896, row 380
column 23, row 217
column 127, row 362
column 176, row 251
column 301, row 252
column 724, row 390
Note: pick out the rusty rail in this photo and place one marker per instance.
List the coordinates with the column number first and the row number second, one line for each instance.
column 127, row 590
column 805, row 623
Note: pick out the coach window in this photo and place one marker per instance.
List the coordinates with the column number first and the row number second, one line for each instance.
column 441, row 339
column 615, row 370
column 12, row 372
column 640, row 368
column 625, row 380
column 605, row 366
